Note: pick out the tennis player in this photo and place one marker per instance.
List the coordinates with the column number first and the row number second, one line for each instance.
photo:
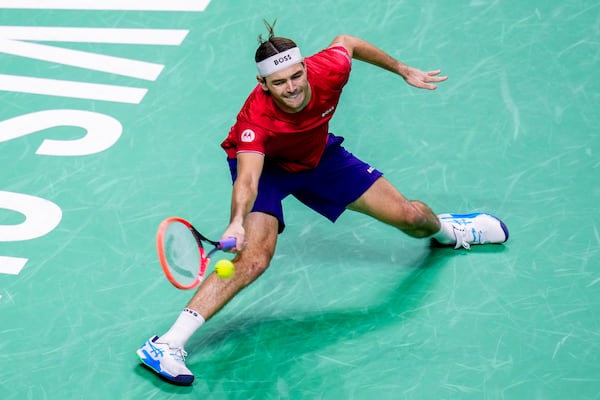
column 280, row 145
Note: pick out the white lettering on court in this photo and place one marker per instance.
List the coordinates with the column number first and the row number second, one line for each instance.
column 102, row 131
column 13, row 41
column 99, row 131
column 124, row 5
column 41, row 217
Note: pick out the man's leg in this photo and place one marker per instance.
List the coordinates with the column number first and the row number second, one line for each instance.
column 261, row 231
column 165, row 354
column 385, row 203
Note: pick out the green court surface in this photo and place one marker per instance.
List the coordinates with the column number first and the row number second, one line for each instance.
column 111, row 127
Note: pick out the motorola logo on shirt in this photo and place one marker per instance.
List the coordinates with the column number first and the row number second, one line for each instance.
column 248, row 136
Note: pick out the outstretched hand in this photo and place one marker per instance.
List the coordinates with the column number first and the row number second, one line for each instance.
column 420, row 79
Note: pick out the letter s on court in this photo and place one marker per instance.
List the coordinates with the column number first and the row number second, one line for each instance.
column 102, row 131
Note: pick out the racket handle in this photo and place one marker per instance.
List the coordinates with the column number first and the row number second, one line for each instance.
column 226, row 244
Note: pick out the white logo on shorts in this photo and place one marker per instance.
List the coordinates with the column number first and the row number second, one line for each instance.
column 248, row 136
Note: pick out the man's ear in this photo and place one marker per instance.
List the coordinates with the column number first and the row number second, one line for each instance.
column 263, row 83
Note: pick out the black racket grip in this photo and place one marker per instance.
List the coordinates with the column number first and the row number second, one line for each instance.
column 226, row 244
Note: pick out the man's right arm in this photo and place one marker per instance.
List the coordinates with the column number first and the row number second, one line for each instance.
column 245, row 189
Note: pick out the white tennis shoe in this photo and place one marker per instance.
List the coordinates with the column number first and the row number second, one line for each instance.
column 166, row 361
column 475, row 228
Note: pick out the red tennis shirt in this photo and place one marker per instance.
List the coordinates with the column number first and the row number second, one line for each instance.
column 295, row 141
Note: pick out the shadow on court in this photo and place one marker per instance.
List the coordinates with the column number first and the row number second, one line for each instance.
column 275, row 348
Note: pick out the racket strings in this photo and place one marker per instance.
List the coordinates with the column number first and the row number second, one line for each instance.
column 183, row 252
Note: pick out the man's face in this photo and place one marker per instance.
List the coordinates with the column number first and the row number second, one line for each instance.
column 288, row 87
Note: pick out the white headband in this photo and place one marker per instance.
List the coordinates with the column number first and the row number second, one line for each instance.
column 279, row 61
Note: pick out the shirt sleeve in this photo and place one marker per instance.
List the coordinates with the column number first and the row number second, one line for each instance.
column 334, row 65
column 341, row 50
column 248, row 137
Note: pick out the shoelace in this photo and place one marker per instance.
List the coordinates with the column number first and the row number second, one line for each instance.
column 179, row 354
column 460, row 234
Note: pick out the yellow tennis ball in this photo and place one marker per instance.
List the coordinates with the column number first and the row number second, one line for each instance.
column 224, row 269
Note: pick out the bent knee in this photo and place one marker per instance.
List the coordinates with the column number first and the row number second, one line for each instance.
column 414, row 217
column 248, row 269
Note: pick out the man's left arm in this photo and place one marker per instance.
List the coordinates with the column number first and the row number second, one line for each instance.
column 365, row 51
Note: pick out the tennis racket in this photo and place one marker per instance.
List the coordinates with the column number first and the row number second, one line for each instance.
column 181, row 254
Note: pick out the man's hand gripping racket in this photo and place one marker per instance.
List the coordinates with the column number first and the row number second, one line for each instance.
column 181, row 253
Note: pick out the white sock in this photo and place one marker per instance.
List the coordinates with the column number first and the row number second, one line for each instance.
column 446, row 234
column 184, row 327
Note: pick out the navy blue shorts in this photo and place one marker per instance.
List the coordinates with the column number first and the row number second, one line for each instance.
column 338, row 180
